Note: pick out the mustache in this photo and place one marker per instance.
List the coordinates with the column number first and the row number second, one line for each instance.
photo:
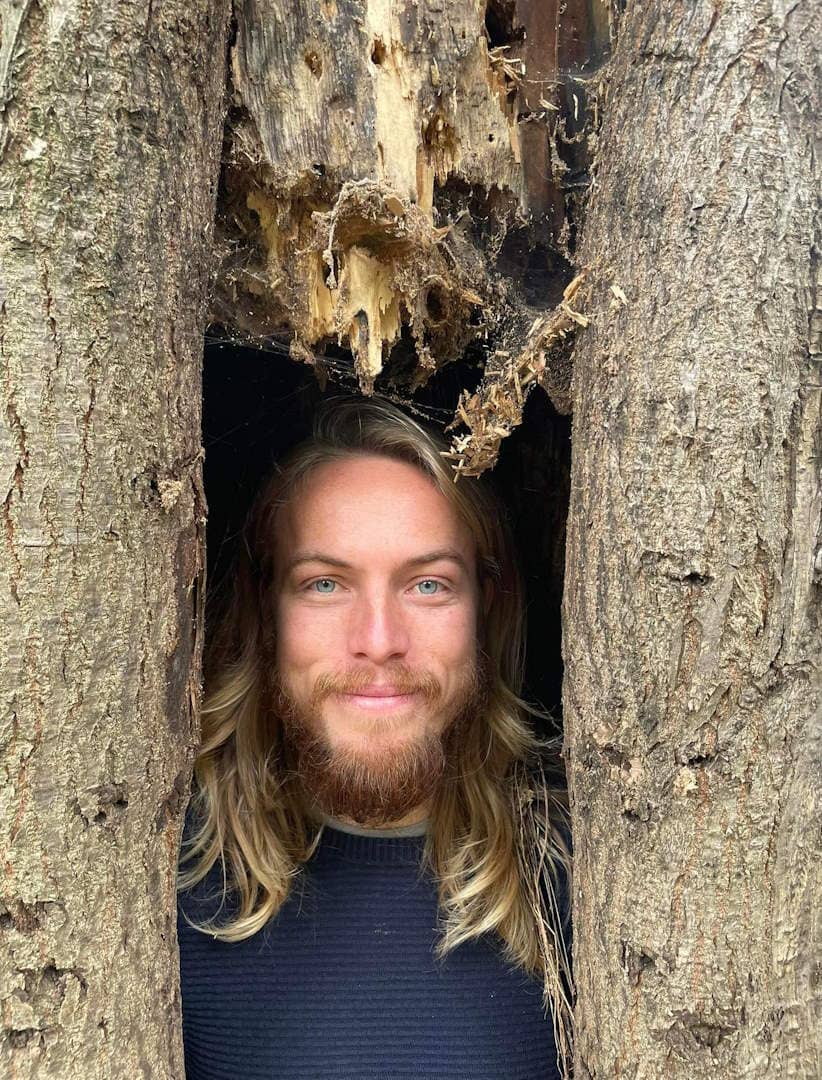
column 400, row 676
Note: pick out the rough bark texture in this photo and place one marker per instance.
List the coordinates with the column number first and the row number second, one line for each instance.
column 692, row 600
column 111, row 123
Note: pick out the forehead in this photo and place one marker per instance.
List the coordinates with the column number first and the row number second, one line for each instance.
column 365, row 505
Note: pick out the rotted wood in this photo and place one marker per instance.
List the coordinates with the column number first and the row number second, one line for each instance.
column 378, row 160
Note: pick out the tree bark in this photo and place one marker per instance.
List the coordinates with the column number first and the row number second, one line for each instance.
column 691, row 632
column 691, row 606
column 112, row 115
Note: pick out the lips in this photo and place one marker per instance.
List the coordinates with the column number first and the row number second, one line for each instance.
column 377, row 699
column 378, row 692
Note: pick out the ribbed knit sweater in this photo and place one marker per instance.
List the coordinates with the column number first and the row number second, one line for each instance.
column 342, row 983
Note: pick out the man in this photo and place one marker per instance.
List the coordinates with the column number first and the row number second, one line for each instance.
column 379, row 878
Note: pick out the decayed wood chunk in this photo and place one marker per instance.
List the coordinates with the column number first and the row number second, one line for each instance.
column 373, row 168
column 347, row 115
column 495, row 409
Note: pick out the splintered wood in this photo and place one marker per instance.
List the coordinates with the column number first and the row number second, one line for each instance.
column 495, row 409
column 392, row 176
column 385, row 264
column 347, row 122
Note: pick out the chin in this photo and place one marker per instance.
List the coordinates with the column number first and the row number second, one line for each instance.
column 373, row 723
column 371, row 738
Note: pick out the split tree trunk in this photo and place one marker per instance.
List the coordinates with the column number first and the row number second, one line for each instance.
column 692, row 600
column 112, row 116
column 692, row 597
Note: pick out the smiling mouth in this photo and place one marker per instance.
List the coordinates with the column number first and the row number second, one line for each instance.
column 377, row 698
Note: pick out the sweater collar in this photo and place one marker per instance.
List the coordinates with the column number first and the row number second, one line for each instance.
column 372, row 847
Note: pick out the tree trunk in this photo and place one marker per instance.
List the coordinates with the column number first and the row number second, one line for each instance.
column 392, row 178
column 112, row 116
column 692, row 600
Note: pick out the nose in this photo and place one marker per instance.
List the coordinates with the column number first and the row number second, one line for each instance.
column 378, row 630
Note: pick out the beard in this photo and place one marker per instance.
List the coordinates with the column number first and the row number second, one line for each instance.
column 378, row 788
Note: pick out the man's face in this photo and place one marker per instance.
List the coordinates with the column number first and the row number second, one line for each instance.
column 377, row 604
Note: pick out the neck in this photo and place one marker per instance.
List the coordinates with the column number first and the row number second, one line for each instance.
column 414, row 817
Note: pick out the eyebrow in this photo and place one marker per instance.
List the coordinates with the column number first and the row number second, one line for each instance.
column 439, row 555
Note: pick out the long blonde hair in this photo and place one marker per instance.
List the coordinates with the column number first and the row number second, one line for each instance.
column 496, row 841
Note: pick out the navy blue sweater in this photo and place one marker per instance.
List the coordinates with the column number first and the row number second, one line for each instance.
column 342, row 983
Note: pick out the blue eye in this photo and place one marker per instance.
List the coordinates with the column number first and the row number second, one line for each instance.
column 421, row 585
column 320, row 586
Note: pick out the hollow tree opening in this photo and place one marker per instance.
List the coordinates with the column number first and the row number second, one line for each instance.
column 257, row 403
column 397, row 211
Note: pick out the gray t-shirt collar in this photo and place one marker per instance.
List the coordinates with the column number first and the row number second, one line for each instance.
column 419, row 828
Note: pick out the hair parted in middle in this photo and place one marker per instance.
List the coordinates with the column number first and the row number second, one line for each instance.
column 496, row 842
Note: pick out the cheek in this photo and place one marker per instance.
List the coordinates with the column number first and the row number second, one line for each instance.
column 304, row 636
column 450, row 639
